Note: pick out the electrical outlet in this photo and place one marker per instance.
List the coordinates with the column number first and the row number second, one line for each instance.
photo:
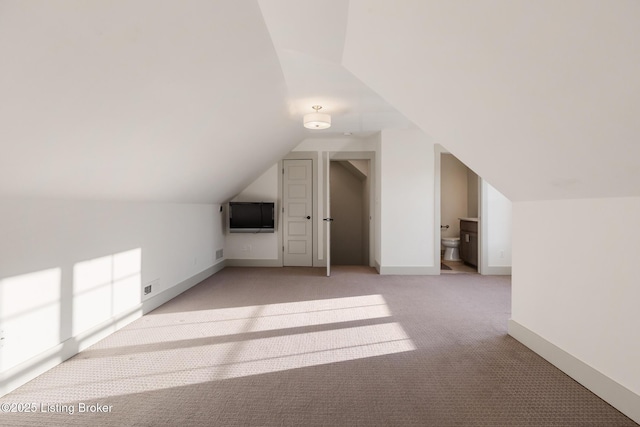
column 501, row 254
column 2, row 339
column 219, row 254
column 149, row 286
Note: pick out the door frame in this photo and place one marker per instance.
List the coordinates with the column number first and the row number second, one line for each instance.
column 359, row 155
column 482, row 267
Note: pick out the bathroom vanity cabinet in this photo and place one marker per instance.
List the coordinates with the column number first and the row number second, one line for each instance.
column 469, row 241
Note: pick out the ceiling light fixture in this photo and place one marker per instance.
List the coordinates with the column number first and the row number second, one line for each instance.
column 317, row 120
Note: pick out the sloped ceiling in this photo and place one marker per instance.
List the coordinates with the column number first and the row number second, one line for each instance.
column 139, row 100
column 177, row 101
column 189, row 101
column 541, row 98
column 309, row 39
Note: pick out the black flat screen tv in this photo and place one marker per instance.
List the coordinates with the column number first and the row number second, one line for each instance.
column 251, row 217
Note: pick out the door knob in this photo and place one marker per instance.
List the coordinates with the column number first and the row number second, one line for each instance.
column 308, row 217
column 328, row 219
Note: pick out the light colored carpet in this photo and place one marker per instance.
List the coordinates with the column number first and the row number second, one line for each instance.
column 288, row 346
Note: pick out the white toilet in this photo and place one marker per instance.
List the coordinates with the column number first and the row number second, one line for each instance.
column 451, row 245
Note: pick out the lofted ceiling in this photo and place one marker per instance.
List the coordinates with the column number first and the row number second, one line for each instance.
column 167, row 101
column 541, row 98
column 158, row 100
column 309, row 39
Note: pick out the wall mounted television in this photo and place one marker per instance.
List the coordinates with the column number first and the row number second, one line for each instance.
column 251, row 217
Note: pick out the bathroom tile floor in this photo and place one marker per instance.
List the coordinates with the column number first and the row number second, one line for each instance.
column 458, row 267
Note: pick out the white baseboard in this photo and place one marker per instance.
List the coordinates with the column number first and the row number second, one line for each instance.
column 497, row 271
column 37, row 365
column 167, row 295
column 408, row 270
column 607, row 389
column 254, row 263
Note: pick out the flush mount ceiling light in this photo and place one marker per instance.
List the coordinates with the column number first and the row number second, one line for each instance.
column 317, row 120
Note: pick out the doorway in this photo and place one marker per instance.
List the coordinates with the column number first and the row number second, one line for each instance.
column 458, row 199
column 492, row 212
column 349, row 192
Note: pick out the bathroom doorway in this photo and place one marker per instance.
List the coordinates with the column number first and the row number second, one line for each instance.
column 487, row 213
column 459, row 198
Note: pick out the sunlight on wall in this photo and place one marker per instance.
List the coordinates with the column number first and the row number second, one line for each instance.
column 238, row 320
column 123, row 366
column 29, row 315
column 104, row 287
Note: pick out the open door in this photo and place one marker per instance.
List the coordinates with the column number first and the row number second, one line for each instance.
column 327, row 219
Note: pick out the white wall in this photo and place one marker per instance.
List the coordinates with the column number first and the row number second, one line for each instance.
column 496, row 229
column 407, row 202
column 73, row 272
column 256, row 245
column 576, row 285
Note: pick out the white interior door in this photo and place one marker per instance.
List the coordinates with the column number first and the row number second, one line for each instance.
column 297, row 235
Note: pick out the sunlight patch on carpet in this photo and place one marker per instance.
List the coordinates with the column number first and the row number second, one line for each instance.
column 122, row 368
column 258, row 318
